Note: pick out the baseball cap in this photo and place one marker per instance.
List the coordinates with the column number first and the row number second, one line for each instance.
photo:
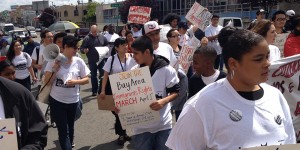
column 151, row 26
column 290, row 13
column 183, row 25
column 260, row 11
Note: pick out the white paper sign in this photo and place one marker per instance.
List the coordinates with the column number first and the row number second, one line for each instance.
column 280, row 40
column 8, row 136
column 199, row 16
column 139, row 14
column 133, row 92
column 276, row 147
column 102, row 51
column 186, row 57
column 164, row 29
column 285, row 75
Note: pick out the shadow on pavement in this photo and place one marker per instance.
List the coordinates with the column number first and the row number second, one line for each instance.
column 57, row 145
column 112, row 146
column 87, row 99
column 85, row 148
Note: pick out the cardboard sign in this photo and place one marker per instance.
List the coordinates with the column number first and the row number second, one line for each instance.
column 133, row 92
column 285, row 75
column 107, row 103
column 102, row 51
column 8, row 134
column 199, row 16
column 186, row 57
column 139, row 14
column 280, row 40
column 164, row 29
column 276, row 147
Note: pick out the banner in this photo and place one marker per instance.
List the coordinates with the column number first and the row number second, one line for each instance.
column 285, row 75
column 8, row 135
column 280, row 40
column 139, row 14
column 199, row 16
column 133, row 93
column 186, row 57
column 276, row 147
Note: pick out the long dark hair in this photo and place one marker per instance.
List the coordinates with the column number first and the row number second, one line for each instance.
column 119, row 41
column 11, row 52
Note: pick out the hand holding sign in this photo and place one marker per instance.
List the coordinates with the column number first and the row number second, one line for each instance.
column 198, row 15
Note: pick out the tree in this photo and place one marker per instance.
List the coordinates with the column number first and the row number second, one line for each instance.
column 91, row 11
column 47, row 17
column 124, row 9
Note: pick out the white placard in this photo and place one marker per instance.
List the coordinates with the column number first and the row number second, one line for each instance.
column 276, row 147
column 139, row 14
column 285, row 75
column 199, row 16
column 8, row 135
column 133, row 93
column 280, row 40
column 186, row 57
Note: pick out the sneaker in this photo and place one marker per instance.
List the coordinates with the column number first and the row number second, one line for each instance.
column 121, row 140
column 53, row 125
column 73, row 144
column 127, row 138
column 94, row 94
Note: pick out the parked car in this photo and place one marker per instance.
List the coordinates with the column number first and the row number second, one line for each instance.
column 81, row 32
column 33, row 34
column 37, row 29
column 30, row 28
column 17, row 33
column 231, row 21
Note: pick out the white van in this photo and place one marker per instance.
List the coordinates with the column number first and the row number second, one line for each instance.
column 8, row 27
column 231, row 21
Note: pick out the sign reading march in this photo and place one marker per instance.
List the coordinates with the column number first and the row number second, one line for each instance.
column 8, row 136
column 199, row 16
column 133, row 92
column 186, row 57
column 139, row 14
column 285, row 75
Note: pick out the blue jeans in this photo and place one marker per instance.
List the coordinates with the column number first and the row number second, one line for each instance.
column 94, row 68
column 64, row 115
column 151, row 141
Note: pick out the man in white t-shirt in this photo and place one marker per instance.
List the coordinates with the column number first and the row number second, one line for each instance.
column 111, row 36
column 152, row 31
column 37, row 54
column 212, row 32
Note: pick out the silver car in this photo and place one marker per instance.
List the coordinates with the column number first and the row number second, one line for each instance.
column 33, row 34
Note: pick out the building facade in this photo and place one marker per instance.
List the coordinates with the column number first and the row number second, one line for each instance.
column 74, row 13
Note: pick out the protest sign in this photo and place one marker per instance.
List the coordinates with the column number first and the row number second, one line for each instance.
column 102, row 51
column 280, row 40
column 107, row 103
column 139, row 14
column 8, row 135
column 164, row 29
column 133, row 92
column 199, row 16
column 285, row 75
column 186, row 57
column 276, row 147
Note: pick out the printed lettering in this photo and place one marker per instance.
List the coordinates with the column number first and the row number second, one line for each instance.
column 291, row 86
column 297, row 110
column 126, row 102
column 279, row 85
column 287, row 70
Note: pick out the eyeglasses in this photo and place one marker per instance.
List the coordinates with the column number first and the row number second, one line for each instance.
column 49, row 37
column 174, row 36
column 281, row 19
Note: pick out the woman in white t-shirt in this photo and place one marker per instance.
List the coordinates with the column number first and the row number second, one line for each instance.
column 267, row 29
column 120, row 62
column 239, row 111
column 65, row 79
column 22, row 63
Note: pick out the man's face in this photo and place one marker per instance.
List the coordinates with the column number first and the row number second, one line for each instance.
column 261, row 16
column 154, row 36
column 280, row 20
column 48, row 39
column 94, row 31
column 138, row 56
column 111, row 29
column 215, row 21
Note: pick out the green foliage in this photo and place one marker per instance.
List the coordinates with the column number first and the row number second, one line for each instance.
column 91, row 11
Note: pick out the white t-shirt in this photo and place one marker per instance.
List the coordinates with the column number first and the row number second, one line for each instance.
column 137, row 34
column 165, row 77
column 212, row 31
column 21, row 65
column 110, row 38
column 60, row 91
column 217, row 117
column 116, row 68
column 212, row 78
column 2, row 113
column 41, row 58
column 166, row 51
column 274, row 53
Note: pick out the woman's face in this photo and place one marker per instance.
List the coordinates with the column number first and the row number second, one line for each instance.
column 129, row 37
column 174, row 38
column 271, row 34
column 8, row 72
column 59, row 43
column 253, row 67
column 17, row 46
column 123, row 32
column 122, row 48
column 174, row 23
column 70, row 51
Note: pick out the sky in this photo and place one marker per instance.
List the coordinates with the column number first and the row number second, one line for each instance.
column 5, row 4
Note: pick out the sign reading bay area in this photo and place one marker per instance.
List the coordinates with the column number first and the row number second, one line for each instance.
column 133, row 93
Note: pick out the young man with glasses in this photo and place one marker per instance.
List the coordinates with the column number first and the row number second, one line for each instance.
column 279, row 21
